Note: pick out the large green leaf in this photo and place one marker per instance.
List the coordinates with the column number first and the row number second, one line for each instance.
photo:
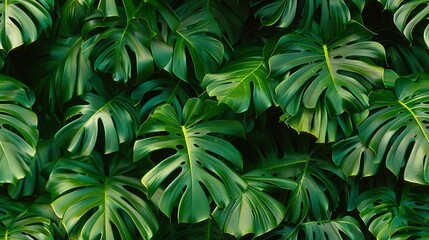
column 397, row 128
column 112, row 115
column 409, row 15
column 341, row 228
column 22, row 21
column 63, row 71
column 285, row 155
column 196, row 33
column 34, row 183
column 18, row 221
column 99, row 198
column 18, row 130
column 199, row 159
column 329, row 78
column 243, row 82
column 255, row 212
column 118, row 47
column 396, row 216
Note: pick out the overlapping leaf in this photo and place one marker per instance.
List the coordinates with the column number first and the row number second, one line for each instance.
column 194, row 164
column 396, row 216
column 120, row 48
column 206, row 230
column 408, row 15
column 315, row 190
column 314, row 230
column 243, row 83
column 330, row 78
column 18, row 130
column 279, row 12
column 112, row 115
column 397, row 128
column 96, row 201
column 63, row 71
column 22, row 21
column 17, row 221
column 355, row 158
column 255, row 212
column 155, row 92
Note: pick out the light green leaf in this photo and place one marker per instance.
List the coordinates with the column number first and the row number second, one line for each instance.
column 96, row 201
column 22, row 21
column 332, row 72
column 18, row 130
column 115, row 115
column 243, row 83
column 255, row 212
column 194, row 155
column 397, row 128
column 17, row 221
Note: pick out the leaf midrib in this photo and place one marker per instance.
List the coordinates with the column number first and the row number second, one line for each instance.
column 329, row 65
column 245, row 78
column 422, row 128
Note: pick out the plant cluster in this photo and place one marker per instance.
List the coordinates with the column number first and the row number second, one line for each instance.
column 214, row 119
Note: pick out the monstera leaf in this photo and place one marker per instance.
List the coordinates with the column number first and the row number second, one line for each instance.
column 120, row 47
column 243, row 82
column 34, row 183
column 18, row 130
column 325, row 229
column 17, row 221
column 155, row 92
column 397, row 128
column 63, row 71
column 314, row 191
column 195, row 32
column 255, row 212
column 96, row 201
column 408, row 14
column 396, row 216
column 115, row 114
column 355, row 158
column 331, row 77
column 194, row 171
column 279, row 12
column 22, row 21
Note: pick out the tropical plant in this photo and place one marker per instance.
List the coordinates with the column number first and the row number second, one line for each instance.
column 246, row 119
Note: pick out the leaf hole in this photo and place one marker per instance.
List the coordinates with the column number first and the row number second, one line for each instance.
column 196, row 145
column 198, row 162
column 180, row 147
column 197, row 133
column 337, row 57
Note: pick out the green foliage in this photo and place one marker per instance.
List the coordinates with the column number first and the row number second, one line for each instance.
column 214, row 119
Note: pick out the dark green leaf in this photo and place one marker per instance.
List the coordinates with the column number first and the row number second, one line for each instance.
column 17, row 221
column 278, row 12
